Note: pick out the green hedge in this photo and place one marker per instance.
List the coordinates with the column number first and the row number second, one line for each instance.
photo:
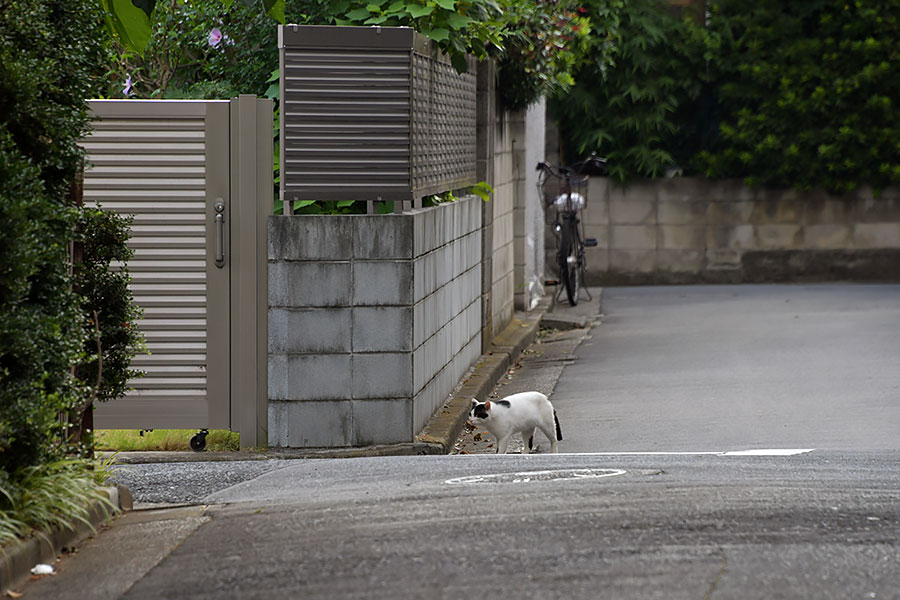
column 48, row 55
column 796, row 94
column 633, row 112
column 809, row 93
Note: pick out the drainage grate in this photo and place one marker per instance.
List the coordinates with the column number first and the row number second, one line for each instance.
column 534, row 476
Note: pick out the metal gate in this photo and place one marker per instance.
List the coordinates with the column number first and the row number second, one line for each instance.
column 197, row 178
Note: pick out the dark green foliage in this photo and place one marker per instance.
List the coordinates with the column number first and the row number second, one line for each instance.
column 107, row 307
column 809, row 93
column 48, row 53
column 632, row 112
column 543, row 47
column 183, row 61
column 40, row 337
column 792, row 94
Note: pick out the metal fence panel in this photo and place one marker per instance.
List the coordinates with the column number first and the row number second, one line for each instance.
column 372, row 113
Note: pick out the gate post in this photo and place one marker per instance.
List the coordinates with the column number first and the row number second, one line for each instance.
column 252, row 188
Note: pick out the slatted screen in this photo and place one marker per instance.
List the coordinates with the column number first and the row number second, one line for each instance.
column 153, row 169
column 372, row 113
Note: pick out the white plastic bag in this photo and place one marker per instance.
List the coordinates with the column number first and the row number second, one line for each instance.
column 576, row 201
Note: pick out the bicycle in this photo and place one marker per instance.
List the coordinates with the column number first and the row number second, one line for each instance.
column 565, row 189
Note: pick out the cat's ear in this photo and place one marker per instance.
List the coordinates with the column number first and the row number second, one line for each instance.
column 487, row 405
column 474, row 402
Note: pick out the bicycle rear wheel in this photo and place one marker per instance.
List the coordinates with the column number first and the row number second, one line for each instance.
column 569, row 265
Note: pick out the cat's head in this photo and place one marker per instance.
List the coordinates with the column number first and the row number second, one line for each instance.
column 480, row 411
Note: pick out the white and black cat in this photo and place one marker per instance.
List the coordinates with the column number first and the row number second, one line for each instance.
column 521, row 413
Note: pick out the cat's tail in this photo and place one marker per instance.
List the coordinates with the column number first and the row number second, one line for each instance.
column 558, row 430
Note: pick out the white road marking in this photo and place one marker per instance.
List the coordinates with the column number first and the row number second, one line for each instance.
column 753, row 452
column 528, row 476
column 770, row 452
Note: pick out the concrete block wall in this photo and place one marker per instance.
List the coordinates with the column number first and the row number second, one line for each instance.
column 373, row 319
column 508, row 157
column 509, row 145
column 528, row 218
column 685, row 230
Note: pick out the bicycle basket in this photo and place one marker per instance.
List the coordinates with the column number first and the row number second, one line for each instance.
column 564, row 193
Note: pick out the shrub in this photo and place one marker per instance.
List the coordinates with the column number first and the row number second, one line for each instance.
column 545, row 42
column 40, row 337
column 48, row 55
column 808, row 93
column 633, row 112
column 199, row 50
column 218, row 50
column 107, row 309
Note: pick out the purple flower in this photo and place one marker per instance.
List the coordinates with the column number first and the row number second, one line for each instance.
column 127, row 89
column 215, row 37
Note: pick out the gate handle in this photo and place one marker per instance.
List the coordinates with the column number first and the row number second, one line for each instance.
column 220, row 232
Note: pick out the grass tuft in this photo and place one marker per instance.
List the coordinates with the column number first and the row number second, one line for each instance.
column 57, row 495
column 130, row 440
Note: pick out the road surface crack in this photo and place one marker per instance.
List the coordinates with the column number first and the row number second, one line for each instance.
column 712, row 588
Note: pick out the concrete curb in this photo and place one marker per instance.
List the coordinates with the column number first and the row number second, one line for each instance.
column 439, row 434
column 17, row 561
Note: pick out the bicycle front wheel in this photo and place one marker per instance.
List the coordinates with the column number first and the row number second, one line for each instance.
column 569, row 265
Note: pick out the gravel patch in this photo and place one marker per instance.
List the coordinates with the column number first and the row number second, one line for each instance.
column 188, row 482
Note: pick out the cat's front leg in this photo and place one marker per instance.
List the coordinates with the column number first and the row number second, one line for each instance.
column 503, row 444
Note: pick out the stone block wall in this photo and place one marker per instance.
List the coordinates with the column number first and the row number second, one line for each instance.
column 373, row 319
column 686, row 230
column 528, row 216
column 507, row 161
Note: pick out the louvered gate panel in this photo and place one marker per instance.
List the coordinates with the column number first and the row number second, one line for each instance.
column 156, row 167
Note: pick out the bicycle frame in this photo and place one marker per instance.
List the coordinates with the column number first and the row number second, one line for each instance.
column 566, row 190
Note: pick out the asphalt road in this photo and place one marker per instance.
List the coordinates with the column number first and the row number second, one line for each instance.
column 754, row 366
column 682, row 480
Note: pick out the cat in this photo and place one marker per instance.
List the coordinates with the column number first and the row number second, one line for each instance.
column 521, row 413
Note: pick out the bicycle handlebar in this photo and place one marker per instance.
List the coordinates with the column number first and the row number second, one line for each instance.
column 576, row 168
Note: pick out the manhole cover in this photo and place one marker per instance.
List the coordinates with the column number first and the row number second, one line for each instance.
column 530, row 476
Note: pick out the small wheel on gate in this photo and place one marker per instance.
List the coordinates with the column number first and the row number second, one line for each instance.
column 198, row 441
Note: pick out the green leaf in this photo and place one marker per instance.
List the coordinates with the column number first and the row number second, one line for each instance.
column 459, row 62
column 457, row 21
column 145, row 5
column 446, row 4
column 345, row 203
column 438, row 35
column 483, row 190
column 416, row 11
column 227, row 3
column 275, row 9
column 358, row 14
column 127, row 22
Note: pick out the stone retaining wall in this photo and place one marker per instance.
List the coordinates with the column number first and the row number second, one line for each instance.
column 687, row 230
column 373, row 319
